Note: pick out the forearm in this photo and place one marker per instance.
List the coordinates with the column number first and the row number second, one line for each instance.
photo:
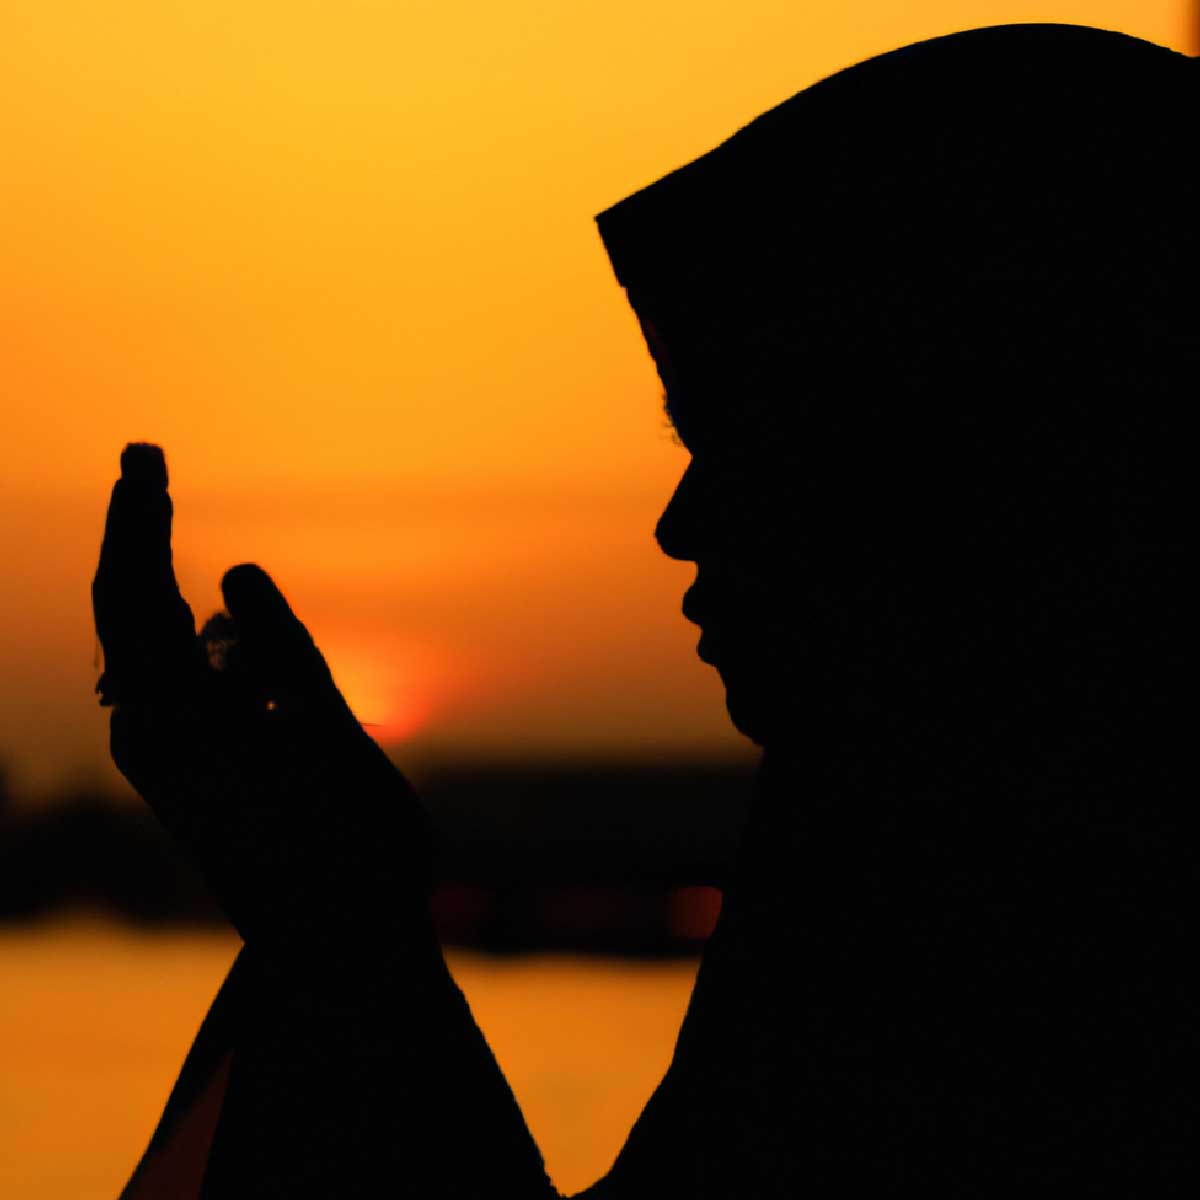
column 363, row 1068
column 174, row 1160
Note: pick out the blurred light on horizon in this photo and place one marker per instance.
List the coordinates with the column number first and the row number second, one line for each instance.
column 339, row 259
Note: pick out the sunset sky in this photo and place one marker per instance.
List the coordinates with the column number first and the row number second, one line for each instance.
column 338, row 257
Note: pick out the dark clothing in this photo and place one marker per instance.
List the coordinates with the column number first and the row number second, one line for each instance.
column 917, row 992
column 969, row 999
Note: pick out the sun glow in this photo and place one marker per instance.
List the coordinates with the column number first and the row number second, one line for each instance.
column 395, row 687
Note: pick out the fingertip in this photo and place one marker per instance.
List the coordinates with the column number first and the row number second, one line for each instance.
column 245, row 583
column 247, row 590
column 243, row 571
column 144, row 462
column 274, row 642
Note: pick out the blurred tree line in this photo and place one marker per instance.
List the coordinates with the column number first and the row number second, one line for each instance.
column 604, row 858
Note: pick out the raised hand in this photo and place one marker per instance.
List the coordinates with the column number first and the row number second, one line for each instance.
column 241, row 743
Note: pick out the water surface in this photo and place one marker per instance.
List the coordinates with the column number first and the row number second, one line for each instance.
column 95, row 1020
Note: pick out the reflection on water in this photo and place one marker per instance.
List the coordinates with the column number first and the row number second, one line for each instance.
column 95, row 1021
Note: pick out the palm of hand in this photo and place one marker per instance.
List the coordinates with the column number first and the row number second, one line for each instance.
column 241, row 743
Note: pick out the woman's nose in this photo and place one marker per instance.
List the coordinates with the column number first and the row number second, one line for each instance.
column 677, row 528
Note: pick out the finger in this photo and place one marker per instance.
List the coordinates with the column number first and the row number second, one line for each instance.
column 275, row 647
column 145, row 627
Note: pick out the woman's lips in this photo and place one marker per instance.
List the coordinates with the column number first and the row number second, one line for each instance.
column 694, row 608
column 696, row 613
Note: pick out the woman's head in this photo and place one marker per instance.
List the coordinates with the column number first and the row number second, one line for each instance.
column 925, row 331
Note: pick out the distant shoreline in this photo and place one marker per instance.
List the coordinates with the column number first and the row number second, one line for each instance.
column 607, row 858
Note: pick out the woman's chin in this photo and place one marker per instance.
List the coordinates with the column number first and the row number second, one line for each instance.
column 758, row 699
column 749, row 710
column 768, row 713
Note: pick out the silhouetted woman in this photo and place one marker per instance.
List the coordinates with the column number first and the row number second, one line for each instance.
column 925, row 331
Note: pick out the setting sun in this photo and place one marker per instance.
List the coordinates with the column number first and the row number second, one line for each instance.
column 394, row 689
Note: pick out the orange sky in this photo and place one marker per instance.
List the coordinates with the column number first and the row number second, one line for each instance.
column 338, row 258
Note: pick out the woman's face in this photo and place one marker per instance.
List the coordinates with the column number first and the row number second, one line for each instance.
column 831, row 589
column 771, row 594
